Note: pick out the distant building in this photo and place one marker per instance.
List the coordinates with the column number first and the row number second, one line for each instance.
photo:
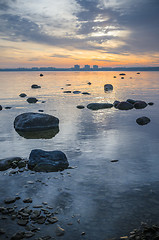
column 95, row 67
column 77, row 67
column 87, row 67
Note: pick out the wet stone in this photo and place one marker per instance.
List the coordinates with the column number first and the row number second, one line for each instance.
column 52, row 220
column 18, row 236
column 10, row 200
column 22, row 222
column 28, row 234
column 80, row 106
column 41, row 220
column 27, row 200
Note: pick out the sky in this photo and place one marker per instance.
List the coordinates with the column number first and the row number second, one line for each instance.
column 62, row 33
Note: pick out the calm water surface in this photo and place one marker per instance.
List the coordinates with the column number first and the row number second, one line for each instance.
column 101, row 198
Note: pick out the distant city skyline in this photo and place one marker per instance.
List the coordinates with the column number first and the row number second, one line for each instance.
column 64, row 33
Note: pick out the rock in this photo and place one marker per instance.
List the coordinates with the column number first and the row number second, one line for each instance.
column 41, row 220
column 59, row 231
column 47, row 161
column 115, row 104
column 28, row 122
column 40, row 110
column 1, row 108
column 122, row 74
column 27, row 200
column 32, row 100
column 7, row 162
column 108, row 87
column 114, row 77
column 114, row 161
column 131, row 101
column 10, row 200
column 41, row 75
column 140, row 105
column 22, row 222
column 89, row 83
column 28, row 234
column 66, row 91
column 143, row 120
column 122, row 77
column 80, row 106
column 86, row 93
column 2, row 231
column 68, row 84
column 137, row 73
column 150, row 103
column 124, row 106
column 76, row 92
column 22, row 95
column 8, row 107
column 97, row 106
column 35, row 86
column 21, row 164
column 52, row 220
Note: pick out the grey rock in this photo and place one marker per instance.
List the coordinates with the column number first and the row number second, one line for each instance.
column 108, row 87
column 32, row 100
column 124, row 106
column 27, row 122
column 22, row 95
column 35, row 86
column 143, row 120
column 27, row 200
column 97, row 106
column 7, row 162
column 10, row 200
column 140, row 105
column 47, row 161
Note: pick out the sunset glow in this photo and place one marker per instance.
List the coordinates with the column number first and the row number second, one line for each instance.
column 69, row 32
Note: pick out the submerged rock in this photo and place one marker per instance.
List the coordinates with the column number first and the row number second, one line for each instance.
column 143, row 120
column 47, row 161
column 108, row 87
column 28, row 122
column 124, row 106
column 7, row 162
column 32, row 100
column 97, row 106
column 140, row 104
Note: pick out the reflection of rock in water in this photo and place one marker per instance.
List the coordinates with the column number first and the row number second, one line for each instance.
column 47, row 134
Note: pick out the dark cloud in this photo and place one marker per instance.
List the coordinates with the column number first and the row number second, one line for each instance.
column 60, row 56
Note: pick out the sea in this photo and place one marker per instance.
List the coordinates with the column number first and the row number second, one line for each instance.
column 112, row 186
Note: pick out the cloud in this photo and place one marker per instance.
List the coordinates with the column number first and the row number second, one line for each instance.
column 117, row 27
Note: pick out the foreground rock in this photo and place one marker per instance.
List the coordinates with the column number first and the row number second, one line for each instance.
column 27, row 122
column 8, row 162
column 47, row 161
column 108, row 87
column 143, row 120
column 97, row 106
column 124, row 106
column 32, row 100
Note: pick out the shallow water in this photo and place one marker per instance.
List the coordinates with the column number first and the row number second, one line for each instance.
column 104, row 199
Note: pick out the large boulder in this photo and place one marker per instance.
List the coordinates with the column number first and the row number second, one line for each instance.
column 97, row 106
column 124, row 106
column 47, row 161
column 140, row 104
column 143, row 120
column 8, row 162
column 28, row 122
column 108, row 87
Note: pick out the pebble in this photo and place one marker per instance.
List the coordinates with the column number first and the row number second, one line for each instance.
column 22, row 222
column 10, row 200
